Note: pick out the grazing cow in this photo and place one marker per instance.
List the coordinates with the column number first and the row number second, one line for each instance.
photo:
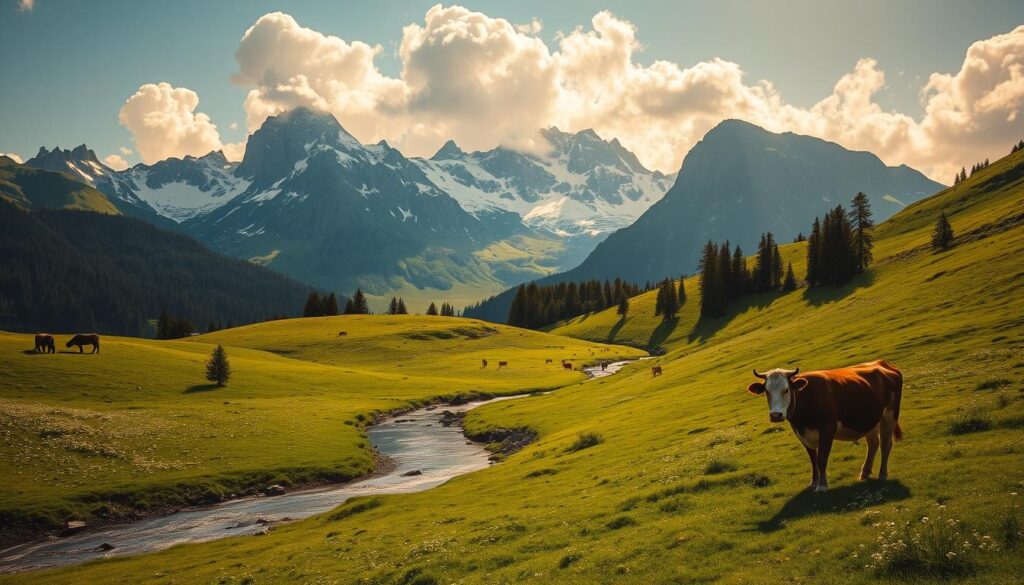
column 547, row 361
column 484, row 363
column 502, row 365
column 655, row 371
column 85, row 339
column 45, row 343
column 567, row 365
column 845, row 404
column 604, row 366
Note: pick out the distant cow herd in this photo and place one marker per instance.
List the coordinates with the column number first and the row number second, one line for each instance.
column 46, row 344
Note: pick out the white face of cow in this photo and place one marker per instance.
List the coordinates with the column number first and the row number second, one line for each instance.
column 779, row 390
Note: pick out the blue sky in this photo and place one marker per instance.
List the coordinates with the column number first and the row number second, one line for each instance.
column 69, row 66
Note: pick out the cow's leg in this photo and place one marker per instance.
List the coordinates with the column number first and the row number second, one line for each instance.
column 869, row 459
column 887, row 426
column 812, row 454
column 825, row 438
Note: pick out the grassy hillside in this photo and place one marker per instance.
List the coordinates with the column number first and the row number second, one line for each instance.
column 29, row 188
column 687, row 481
column 136, row 427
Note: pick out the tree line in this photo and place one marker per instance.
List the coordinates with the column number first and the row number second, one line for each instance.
column 536, row 306
column 326, row 305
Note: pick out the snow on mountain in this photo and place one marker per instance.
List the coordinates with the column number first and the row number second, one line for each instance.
column 178, row 189
column 79, row 162
column 583, row 186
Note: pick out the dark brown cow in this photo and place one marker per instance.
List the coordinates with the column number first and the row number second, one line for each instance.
column 604, row 366
column 484, row 363
column 847, row 404
column 567, row 366
column 85, row 339
column 502, row 365
column 655, row 371
column 548, row 361
column 45, row 343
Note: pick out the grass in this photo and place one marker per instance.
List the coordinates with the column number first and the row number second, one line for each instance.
column 950, row 321
column 137, row 428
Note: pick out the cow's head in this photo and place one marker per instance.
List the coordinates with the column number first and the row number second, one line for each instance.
column 779, row 386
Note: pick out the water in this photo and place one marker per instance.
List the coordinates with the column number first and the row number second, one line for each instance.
column 416, row 441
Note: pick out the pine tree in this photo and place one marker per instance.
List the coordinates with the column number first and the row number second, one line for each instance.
column 217, row 367
column 942, row 236
column 623, row 309
column 401, row 307
column 671, row 299
column 860, row 219
column 163, row 326
column 776, row 276
column 313, row 306
column 357, row 305
column 740, row 274
column 789, row 284
column 432, row 310
column 659, row 301
column 799, row 238
column 711, row 301
column 813, row 253
column 681, row 296
column 393, row 306
column 329, row 305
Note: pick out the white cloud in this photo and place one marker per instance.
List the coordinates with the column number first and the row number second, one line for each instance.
column 12, row 156
column 125, row 151
column 116, row 162
column 26, row 5
column 164, row 123
column 485, row 81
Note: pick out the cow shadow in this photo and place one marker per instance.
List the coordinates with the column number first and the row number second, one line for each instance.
column 200, row 388
column 824, row 294
column 847, row 498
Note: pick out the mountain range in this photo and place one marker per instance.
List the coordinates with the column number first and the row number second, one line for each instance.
column 309, row 200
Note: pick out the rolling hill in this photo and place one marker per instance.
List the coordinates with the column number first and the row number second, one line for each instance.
column 688, row 481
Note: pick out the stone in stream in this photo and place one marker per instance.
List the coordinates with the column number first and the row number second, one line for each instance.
column 104, row 547
column 412, row 473
column 72, row 527
column 273, row 490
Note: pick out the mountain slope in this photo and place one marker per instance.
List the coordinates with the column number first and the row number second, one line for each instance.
column 79, row 162
column 740, row 181
column 690, row 482
column 31, row 188
column 74, row 271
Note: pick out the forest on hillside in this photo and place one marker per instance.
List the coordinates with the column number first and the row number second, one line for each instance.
column 70, row 271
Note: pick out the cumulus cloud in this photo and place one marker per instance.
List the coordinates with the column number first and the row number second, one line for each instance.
column 163, row 122
column 116, row 162
column 485, row 81
column 26, row 5
column 12, row 156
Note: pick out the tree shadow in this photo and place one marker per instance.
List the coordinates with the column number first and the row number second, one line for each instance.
column 823, row 294
column 661, row 332
column 200, row 388
column 614, row 332
column 707, row 327
column 848, row 498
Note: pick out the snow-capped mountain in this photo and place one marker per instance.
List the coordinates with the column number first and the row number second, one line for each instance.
column 583, row 185
column 177, row 188
column 79, row 162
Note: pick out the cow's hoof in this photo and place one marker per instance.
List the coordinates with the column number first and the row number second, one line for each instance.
column 883, row 476
column 865, row 475
column 821, row 488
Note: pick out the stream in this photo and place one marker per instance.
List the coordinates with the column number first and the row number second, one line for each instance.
column 423, row 454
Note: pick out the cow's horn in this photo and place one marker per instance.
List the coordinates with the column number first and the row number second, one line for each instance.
column 762, row 376
column 793, row 373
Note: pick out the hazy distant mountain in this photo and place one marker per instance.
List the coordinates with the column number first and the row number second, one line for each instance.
column 30, row 188
column 79, row 162
column 740, row 181
column 178, row 189
column 581, row 190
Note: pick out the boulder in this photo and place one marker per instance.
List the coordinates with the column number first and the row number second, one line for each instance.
column 72, row 527
column 273, row 490
column 412, row 473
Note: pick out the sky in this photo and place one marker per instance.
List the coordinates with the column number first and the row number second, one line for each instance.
column 932, row 84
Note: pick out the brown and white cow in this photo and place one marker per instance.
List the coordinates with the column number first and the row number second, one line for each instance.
column 847, row 404
column 655, row 371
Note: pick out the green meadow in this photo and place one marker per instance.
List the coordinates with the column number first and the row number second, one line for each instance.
column 675, row 479
column 136, row 428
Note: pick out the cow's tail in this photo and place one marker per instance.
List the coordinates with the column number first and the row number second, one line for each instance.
column 897, row 396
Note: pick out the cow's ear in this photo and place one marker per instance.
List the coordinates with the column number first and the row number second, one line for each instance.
column 756, row 388
column 798, row 384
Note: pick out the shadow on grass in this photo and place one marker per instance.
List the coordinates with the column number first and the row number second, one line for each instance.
column 847, row 498
column 661, row 333
column 200, row 388
column 706, row 327
column 614, row 332
column 820, row 295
